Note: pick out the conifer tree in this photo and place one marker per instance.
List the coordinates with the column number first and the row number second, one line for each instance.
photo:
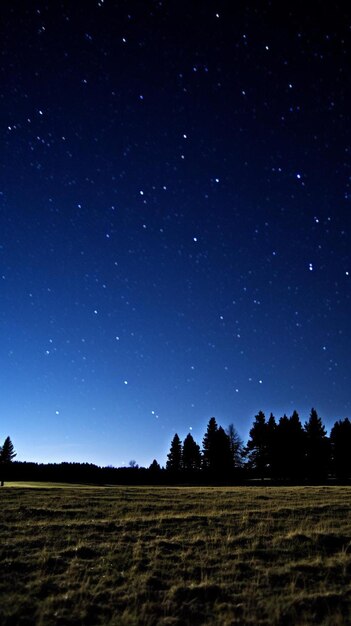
column 236, row 446
column 209, row 444
column 7, row 451
column 216, row 452
column 191, row 455
column 258, row 445
column 222, row 462
column 154, row 466
column 7, row 454
column 174, row 457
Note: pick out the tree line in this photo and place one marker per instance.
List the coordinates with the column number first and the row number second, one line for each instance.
column 283, row 450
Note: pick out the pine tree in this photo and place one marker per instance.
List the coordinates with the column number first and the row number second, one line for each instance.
column 7, row 451
column 317, row 448
column 7, row 454
column 289, row 448
column 258, row 446
column 236, row 446
column 209, row 444
column 154, row 466
column 222, row 462
column 174, row 457
column 191, row 455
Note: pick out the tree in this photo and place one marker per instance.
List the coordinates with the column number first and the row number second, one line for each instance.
column 258, row 445
column 191, row 455
column 7, row 454
column 174, row 457
column 222, row 462
column 317, row 448
column 209, row 444
column 216, row 452
column 154, row 466
column 236, row 446
column 340, row 439
column 287, row 452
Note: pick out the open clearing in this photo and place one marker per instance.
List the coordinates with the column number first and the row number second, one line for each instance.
column 175, row 556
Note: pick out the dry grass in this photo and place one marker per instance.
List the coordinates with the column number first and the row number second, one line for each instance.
column 147, row 556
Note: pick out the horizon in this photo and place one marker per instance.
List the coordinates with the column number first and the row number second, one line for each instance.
column 162, row 461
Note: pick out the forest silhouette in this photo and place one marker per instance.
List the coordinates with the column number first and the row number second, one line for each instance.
column 283, row 451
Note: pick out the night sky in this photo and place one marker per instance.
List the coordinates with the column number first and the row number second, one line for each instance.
column 175, row 202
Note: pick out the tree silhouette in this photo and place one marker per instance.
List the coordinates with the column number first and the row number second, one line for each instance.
column 174, row 457
column 317, row 448
column 209, row 444
column 216, row 452
column 340, row 439
column 258, row 446
column 191, row 455
column 222, row 459
column 236, row 446
column 289, row 448
column 154, row 466
column 7, row 454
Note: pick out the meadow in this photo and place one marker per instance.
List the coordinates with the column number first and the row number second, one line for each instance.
column 122, row 556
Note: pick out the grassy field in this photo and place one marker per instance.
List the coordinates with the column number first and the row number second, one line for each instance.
column 175, row 556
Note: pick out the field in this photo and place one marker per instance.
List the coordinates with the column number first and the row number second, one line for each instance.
column 175, row 556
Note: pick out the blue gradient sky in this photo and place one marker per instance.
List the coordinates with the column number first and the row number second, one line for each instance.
column 174, row 221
